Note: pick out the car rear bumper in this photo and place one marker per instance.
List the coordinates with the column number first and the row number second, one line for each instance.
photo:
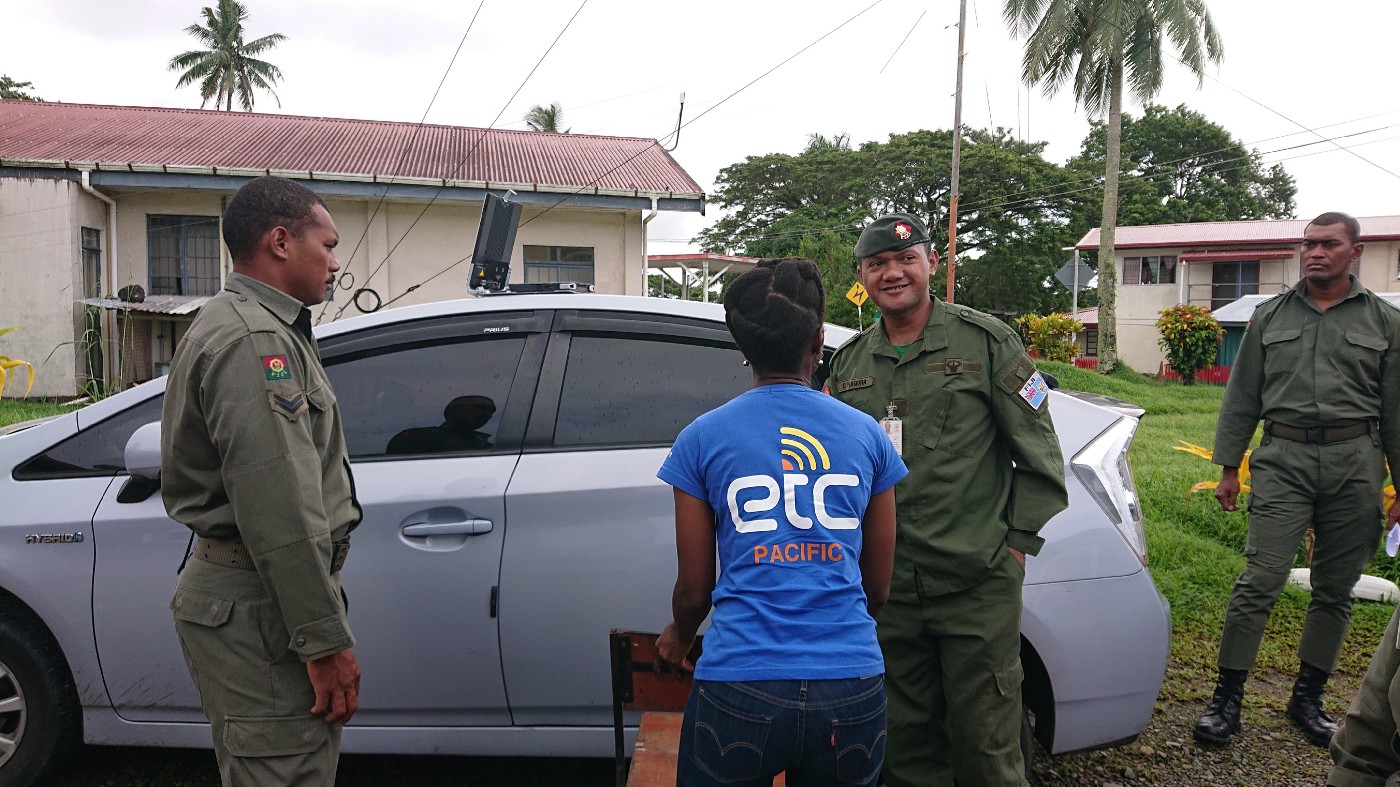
column 1103, row 644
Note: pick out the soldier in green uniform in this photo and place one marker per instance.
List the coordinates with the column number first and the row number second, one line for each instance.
column 254, row 462
column 1319, row 365
column 985, row 473
column 1364, row 748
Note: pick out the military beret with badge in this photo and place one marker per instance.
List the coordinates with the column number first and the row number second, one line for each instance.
column 891, row 232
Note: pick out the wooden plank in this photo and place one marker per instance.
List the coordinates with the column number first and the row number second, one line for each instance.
column 656, row 752
column 654, row 755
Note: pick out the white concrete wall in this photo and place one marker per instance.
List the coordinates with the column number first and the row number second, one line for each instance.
column 41, row 256
column 1380, row 266
column 41, row 278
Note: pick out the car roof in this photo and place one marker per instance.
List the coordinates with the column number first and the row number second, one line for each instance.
column 487, row 304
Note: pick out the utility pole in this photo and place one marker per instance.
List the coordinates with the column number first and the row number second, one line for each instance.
column 957, row 155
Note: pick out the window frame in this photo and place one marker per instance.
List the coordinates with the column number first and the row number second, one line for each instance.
column 556, row 264
column 514, row 411
column 186, row 261
column 540, row 434
column 1154, row 263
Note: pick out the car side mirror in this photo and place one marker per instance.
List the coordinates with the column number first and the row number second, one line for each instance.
column 142, row 457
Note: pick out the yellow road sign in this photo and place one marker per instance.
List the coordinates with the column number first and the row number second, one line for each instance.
column 857, row 294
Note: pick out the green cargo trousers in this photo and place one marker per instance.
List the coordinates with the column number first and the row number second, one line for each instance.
column 1335, row 488
column 953, row 677
column 254, row 689
column 1364, row 748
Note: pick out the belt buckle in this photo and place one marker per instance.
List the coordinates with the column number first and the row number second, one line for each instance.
column 1314, row 434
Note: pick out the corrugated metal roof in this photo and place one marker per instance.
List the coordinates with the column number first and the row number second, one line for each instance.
column 154, row 304
column 143, row 138
column 1214, row 233
column 1239, row 312
column 1087, row 317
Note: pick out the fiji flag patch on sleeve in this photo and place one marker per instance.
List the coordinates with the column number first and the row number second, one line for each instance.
column 290, row 406
column 1034, row 391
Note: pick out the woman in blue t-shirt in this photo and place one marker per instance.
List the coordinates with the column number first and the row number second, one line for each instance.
column 795, row 490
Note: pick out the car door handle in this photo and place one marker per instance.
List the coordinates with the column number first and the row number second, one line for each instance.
column 469, row 527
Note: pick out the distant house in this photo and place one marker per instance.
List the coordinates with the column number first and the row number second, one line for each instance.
column 100, row 202
column 1216, row 264
column 1088, row 338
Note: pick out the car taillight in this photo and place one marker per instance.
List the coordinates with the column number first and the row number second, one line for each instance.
column 1102, row 466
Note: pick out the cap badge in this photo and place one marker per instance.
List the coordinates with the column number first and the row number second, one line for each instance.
column 903, row 231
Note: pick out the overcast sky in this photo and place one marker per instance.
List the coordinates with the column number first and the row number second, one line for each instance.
column 620, row 67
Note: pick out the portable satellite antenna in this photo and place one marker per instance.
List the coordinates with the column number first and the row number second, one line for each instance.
column 495, row 239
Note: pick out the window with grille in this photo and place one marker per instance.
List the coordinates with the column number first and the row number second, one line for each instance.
column 183, row 254
column 91, row 243
column 545, row 264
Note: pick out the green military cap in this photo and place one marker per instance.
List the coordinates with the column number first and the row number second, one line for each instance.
column 890, row 232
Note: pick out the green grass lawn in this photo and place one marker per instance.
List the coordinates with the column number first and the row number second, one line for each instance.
column 1195, row 550
column 13, row 411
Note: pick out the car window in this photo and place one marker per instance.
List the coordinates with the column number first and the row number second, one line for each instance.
column 96, row 451
column 635, row 389
column 427, row 398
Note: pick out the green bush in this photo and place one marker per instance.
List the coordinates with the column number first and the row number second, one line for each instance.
column 1052, row 336
column 1191, row 339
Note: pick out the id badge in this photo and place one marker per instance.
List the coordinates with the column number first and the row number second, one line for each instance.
column 894, row 429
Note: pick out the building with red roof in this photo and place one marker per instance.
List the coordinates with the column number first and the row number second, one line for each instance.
column 1215, row 264
column 97, row 202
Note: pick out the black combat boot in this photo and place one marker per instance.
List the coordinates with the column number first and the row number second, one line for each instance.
column 1305, row 706
column 1222, row 717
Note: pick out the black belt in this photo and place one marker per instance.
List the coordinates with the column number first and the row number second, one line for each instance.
column 1321, row 435
column 230, row 553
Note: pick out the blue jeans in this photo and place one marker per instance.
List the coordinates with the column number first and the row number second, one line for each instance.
column 821, row 732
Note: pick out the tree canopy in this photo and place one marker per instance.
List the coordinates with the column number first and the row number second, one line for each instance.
column 9, row 88
column 228, row 67
column 1178, row 166
column 1012, row 224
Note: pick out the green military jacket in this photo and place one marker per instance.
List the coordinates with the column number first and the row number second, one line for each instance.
column 985, row 468
column 252, row 447
column 1304, row 367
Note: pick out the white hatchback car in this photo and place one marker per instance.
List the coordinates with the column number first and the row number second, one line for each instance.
column 490, row 566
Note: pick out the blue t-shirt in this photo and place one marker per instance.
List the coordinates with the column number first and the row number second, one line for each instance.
column 789, row 472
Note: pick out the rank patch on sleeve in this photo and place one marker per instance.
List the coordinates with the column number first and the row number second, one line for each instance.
column 290, row 407
column 275, row 367
column 1034, row 391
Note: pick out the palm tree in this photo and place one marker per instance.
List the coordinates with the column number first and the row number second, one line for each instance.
column 541, row 118
column 1096, row 44
column 228, row 67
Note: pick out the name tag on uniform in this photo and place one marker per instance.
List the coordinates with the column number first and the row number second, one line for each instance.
column 843, row 386
column 1034, row 391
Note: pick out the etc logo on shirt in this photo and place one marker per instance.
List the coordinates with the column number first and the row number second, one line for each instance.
column 801, row 452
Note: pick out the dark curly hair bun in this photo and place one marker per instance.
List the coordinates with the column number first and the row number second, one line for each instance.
column 774, row 310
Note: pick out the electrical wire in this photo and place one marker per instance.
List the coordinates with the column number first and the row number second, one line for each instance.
column 642, row 149
column 461, row 163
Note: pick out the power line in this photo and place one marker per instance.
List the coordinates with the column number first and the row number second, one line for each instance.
column 403, row 154
column 480, row 138
column 1090, row 185
column 643, row 149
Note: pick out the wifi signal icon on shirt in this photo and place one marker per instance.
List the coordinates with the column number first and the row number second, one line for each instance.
column 801, row 451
